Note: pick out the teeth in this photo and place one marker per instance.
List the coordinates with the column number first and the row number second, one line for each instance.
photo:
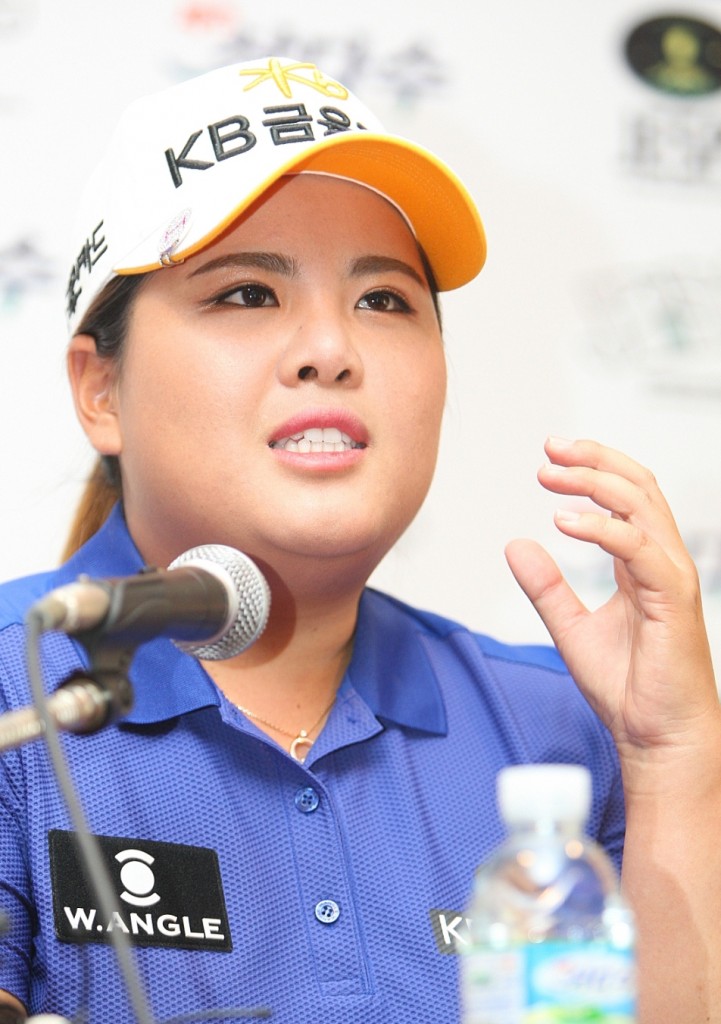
column 317, row 439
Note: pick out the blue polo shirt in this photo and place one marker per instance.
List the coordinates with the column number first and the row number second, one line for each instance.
column 328, row 891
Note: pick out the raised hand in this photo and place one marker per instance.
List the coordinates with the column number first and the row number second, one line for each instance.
column 642, row 659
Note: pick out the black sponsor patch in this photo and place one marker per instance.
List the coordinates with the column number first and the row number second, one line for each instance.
column 167, row 894
column 450, row 930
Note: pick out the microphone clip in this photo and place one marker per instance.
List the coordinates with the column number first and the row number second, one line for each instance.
column 87, row 701
column 102, row 693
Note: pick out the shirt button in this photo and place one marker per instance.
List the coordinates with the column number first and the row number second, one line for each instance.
column 327, row 911
column 306, row 800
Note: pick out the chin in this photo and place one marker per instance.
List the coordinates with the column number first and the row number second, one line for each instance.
column 343, row 549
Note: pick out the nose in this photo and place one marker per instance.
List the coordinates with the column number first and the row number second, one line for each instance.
column 311, row 373
column 321, row 351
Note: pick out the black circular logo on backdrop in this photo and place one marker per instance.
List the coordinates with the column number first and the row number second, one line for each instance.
column 676, row 55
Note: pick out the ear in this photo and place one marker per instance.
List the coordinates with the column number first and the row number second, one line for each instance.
column 93, row 379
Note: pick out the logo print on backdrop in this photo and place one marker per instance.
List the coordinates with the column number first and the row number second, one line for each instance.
column 214, row 35
column 23, row 270
column 677, row 55
column 657, row 324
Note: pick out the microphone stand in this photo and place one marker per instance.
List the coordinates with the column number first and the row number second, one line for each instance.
column 110, row 672
column 84, row 703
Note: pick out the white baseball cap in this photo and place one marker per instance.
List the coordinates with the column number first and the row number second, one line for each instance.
column 185, row 162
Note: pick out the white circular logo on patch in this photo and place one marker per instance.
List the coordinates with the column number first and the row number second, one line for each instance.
column 137, row 878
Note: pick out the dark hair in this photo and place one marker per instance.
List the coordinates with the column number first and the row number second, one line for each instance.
column 107, row 322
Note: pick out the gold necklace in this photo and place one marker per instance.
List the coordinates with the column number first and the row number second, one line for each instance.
column 300, row 739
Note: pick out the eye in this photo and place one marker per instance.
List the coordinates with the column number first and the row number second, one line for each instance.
column 254, row 296
column 383, row 301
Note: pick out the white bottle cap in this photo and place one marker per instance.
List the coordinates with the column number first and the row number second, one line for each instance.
column 544, row 792
column 47, row 1018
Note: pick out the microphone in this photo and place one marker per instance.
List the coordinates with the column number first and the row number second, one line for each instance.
column 212, row 602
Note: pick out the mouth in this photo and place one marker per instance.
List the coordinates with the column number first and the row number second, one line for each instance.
column 317, row 439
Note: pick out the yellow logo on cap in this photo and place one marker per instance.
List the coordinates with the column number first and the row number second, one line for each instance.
column 283, row 76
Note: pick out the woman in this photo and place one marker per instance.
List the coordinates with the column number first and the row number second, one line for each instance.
column 256, row 355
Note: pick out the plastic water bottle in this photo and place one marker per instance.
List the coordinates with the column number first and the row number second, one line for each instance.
column 551, row 941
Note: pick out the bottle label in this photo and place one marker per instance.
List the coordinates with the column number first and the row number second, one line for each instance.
column 549, row 983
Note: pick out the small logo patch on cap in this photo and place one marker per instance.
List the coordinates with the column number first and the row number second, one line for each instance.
column 172, row 237
column 167, row 894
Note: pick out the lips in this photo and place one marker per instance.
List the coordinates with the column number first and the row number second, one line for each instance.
column 317, row 439
column 320, row 432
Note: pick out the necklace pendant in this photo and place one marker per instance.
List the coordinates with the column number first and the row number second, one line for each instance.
column 301, row 741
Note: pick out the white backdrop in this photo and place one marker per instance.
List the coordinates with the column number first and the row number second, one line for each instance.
column 598, row 314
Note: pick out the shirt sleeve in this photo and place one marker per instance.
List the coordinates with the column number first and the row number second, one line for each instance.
column 17, row 913
column 16, row 908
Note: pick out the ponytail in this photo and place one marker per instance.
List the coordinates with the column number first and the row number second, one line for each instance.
column 94, row 507
column 107, row 322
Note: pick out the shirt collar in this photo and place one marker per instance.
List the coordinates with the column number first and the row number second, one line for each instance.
column 166, row 682
column 389, row 669
column 390, row 666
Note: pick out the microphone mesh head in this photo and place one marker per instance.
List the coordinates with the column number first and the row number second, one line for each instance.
column 245, row 579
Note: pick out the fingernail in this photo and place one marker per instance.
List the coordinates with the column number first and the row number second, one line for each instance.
column 565, row 515
column 559, row 442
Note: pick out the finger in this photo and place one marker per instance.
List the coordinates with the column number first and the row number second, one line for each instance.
column 635, row 497
column 594, row 455
column 543, row 584
column 647, row 563
column 614, row 493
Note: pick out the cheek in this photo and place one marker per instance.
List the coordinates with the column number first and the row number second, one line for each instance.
column 158, row 410
column 437, row 386
column 417, row 403
column 170, row 385
column 427, row 399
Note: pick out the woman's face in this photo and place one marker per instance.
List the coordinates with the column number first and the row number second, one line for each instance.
column 282, row 391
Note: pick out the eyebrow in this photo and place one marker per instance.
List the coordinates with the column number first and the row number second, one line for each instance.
column 273, row 261
column 287, row 266
column 373, row 264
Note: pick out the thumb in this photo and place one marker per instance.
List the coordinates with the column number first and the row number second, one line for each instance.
column 545, row 587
